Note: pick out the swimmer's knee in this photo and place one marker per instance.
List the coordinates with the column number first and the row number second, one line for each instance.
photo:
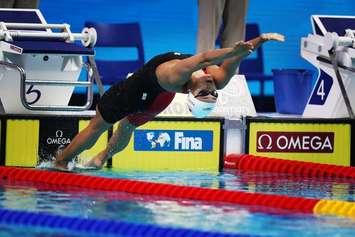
column 98, row 124
column 127, row 125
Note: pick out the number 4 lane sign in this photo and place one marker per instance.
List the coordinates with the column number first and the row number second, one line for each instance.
column 322, row 89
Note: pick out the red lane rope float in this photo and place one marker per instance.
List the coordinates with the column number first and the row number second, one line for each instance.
column 294, row 204
column 266, row 164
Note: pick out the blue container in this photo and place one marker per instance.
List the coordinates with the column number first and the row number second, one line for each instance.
column 292, row 88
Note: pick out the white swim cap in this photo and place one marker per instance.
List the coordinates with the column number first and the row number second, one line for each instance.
column 198, row 108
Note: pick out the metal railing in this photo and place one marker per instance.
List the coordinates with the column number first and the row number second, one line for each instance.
column 91, row 77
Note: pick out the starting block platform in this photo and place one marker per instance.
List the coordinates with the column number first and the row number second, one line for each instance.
column 40, row 63
column 331, row 49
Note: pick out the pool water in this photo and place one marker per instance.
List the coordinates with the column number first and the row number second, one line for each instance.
column 187, row 214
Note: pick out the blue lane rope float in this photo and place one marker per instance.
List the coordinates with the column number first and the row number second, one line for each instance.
column 96, row 226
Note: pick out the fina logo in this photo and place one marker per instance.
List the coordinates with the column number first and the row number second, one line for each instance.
column 162, row 140
column 171, row 140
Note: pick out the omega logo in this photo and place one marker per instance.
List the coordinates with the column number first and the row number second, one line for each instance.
column 59, row 133
column 268, row 145
column 58, row 139
column 321, row 142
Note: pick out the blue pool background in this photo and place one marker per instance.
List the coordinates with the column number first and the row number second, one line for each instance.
column 171, row 25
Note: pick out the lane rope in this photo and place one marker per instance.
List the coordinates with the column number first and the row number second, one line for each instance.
column 246, row 162
column 292, row 204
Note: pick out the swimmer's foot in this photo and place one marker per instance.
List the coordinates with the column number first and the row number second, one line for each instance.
column 94, row 163
column 272, row 36
column 60, row 165
column 59, row 162
column 242, row 49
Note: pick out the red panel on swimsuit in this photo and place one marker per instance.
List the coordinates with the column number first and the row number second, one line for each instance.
column 159, row 104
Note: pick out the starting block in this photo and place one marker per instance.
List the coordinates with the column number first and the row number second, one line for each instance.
column 331, row 48
column 40, row 63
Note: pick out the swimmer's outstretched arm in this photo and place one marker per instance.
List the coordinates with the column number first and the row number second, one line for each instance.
column 179, row 72
column 223, row 73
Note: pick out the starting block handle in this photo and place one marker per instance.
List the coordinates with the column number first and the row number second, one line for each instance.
column 332, row 55
column 333, row 40
column 33, row 26
column 88, row 36
column 45, row 35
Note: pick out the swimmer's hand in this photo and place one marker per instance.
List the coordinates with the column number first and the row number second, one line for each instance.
column 272, row 36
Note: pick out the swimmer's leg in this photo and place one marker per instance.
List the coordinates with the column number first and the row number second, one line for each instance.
column 82, row 141
column 117, row 143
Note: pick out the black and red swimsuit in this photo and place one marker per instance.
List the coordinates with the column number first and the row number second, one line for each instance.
column 139, row 97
